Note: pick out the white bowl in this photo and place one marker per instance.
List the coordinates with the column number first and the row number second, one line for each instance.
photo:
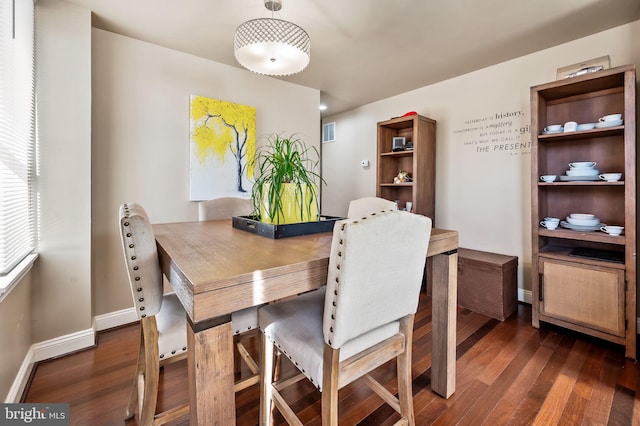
column 586, row 126
column 582, row 165
column 583, row 172
column 583, row 222
column 611, row 117
column 582, row 216
column 603, row 124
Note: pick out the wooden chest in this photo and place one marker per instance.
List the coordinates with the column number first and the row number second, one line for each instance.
column 488, row 283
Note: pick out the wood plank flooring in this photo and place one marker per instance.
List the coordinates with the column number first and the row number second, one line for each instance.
column 508, row 373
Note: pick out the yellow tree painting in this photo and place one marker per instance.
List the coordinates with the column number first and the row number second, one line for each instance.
column 222, row 145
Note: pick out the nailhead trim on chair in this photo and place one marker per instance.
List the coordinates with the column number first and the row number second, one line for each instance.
column 339, row 265
column 133, row 257
column 335, row 293
column 135, row 267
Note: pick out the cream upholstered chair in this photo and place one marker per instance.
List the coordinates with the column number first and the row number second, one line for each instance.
column 224, row 208
column 163, row 337
column 360, row 320
column 247, row 319
column 363, row 206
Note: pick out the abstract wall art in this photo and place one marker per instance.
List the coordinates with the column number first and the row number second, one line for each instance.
column 222, row 148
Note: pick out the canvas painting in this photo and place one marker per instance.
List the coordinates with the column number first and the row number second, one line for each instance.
column 222, row 148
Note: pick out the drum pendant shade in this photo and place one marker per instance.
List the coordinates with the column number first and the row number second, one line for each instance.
column 272, row 46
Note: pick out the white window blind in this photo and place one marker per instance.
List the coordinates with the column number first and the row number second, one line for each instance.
column 17, row 131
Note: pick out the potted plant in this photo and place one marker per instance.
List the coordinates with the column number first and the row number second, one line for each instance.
column 285, row 188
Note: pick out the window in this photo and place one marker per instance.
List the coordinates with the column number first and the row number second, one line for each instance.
column 17, row 132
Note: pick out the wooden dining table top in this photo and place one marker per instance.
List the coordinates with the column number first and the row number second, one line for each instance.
column 213, row 256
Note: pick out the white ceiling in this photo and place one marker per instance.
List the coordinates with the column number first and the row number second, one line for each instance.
column 366, row 50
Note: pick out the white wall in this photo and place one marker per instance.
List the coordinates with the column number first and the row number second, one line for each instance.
column 62, row 274
column 140, row 137
column 483, row 195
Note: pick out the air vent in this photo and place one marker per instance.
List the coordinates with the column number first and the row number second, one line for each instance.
column 329, row 132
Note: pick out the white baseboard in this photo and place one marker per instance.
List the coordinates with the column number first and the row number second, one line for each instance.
column 20, row 382
column 115, row 319
column 45, row 350
column 64, row 344
column 525, row 296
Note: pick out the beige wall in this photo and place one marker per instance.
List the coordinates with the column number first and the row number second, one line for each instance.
column 484, row 195
column 15, row 333
column 140, row 138
column 62, row 274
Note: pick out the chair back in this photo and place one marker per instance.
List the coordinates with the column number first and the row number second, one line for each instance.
column 375, row 272
column 141, row 259
column 367, row 205
column 224, row 208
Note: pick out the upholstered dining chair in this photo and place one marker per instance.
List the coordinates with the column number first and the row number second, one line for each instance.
column 363, row 206
column 224, row 208
column 360, row 320
column 247, row 319
column 163, row 337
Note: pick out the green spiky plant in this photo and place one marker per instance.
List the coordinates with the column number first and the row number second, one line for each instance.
column 280, row 162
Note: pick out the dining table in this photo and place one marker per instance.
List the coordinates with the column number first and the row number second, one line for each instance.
column 216, row 269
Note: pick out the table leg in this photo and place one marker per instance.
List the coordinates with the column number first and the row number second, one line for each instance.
column 444, row 310
column 210, row 365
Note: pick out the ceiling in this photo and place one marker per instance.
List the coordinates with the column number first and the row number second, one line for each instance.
column 366, row 50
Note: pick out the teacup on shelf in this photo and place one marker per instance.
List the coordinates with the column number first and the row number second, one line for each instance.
column 610, row 177
column 553, row 128
column 612, row 230
column 550, row 223
column 610, row 117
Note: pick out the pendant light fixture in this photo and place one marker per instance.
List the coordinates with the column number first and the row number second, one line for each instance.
column 272, row 46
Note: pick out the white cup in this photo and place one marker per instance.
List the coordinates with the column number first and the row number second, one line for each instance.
column 610, row 177
column 610, row 117
column 553, row 128
column 570, row 126
column 550, row 224
column 408, row 206
column 552, row 219
column 612, row 230
column 548, row 178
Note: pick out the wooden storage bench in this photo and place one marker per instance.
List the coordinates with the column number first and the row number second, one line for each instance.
column 488, row 283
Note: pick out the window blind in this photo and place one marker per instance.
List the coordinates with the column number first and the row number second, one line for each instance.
column 17, row 131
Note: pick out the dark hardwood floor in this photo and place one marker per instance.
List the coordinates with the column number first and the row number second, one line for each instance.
column 507, row 373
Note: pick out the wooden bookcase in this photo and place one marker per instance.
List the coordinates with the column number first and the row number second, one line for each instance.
column 595, row 295
column 419, row 162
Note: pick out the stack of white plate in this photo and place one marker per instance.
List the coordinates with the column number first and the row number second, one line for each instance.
column 583, row 222
column 582, row 170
